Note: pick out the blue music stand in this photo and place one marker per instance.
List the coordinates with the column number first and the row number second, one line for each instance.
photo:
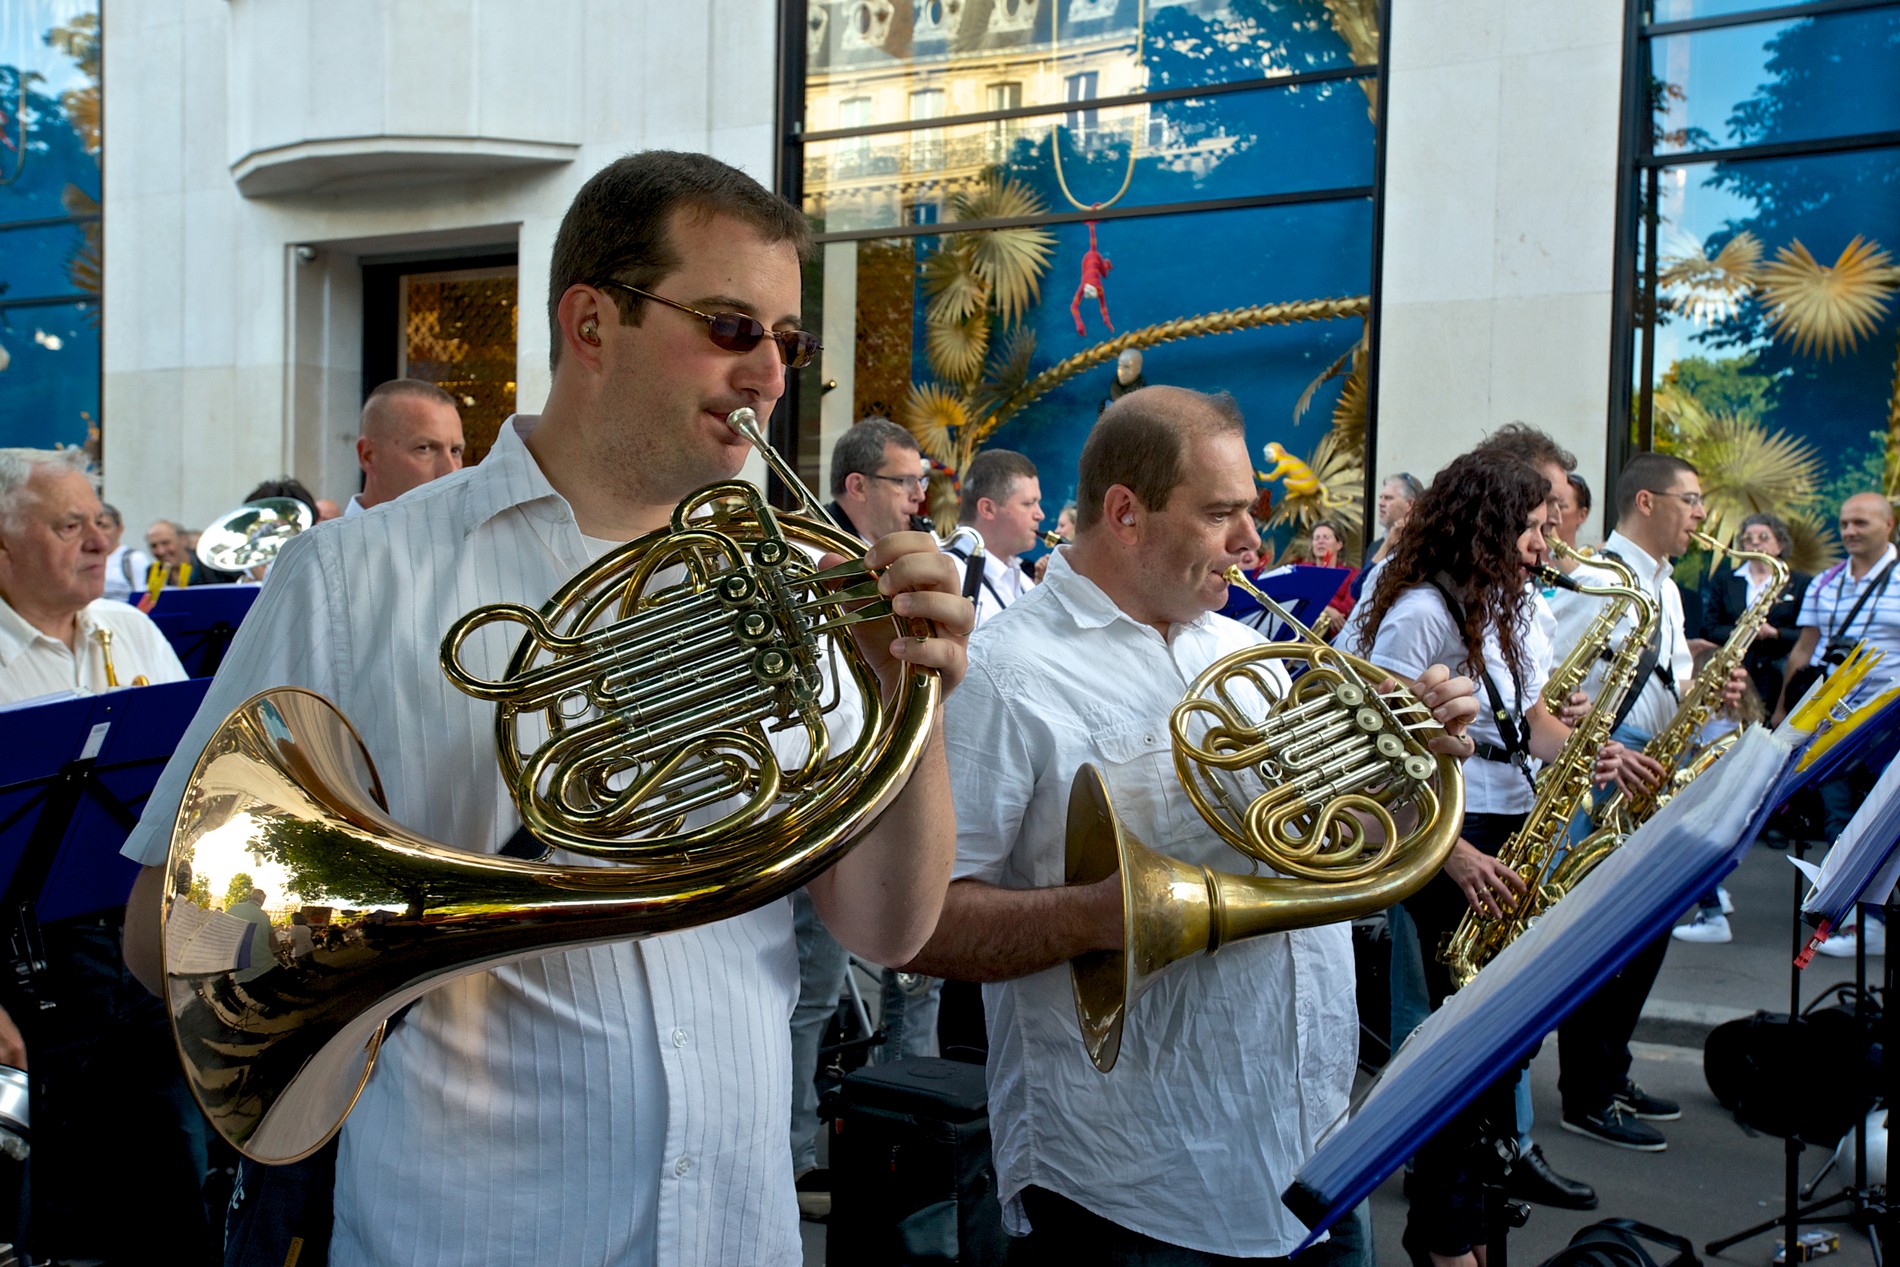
column 1305, row 591
column 200, row 621
column 75, row 775
column 1483, row 1031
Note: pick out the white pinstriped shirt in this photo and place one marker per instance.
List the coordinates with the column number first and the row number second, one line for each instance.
column 623, row 1104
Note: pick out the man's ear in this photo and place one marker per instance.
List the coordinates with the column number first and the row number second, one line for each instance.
column 1123, row 510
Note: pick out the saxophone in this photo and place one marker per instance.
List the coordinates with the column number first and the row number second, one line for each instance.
column 1532, row 850
column 1568, row 678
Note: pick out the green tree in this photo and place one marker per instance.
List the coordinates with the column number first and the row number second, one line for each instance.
column 1864, row 472
column 1725, row 385
column 239, row 890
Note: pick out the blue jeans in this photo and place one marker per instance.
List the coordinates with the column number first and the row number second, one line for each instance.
column 822, row 963
column 909, row 1020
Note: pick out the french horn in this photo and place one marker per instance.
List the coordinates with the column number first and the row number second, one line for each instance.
column 634, row 726
column 1329, row 783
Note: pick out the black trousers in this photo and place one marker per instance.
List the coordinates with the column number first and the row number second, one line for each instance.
column 1447, row 1213
column 1063, row 1231
column 1593, row 1042
column 118, row 1159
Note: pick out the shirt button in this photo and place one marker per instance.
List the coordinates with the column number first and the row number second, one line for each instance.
column 681, row 1166
column 1147, row 739
column 679, row 1038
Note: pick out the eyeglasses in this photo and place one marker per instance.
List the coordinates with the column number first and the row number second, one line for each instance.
column 736, row 332
column 915, row 483
column 1691, row 500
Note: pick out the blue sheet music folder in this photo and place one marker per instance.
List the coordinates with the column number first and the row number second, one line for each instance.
column 125, row 737
column 1485, row 1029
column 1301, row 590
column 199, row 620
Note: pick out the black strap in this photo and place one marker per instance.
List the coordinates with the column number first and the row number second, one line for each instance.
column 1516, row 749
column 974, row 576
column 1878, row 587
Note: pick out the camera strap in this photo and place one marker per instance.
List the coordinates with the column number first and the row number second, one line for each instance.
column 1874, row 590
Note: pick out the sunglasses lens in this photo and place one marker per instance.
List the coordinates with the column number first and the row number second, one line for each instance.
column 798, row 347
column 735, row 332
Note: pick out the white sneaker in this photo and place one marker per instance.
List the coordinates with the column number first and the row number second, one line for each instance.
column 1721, row 895
column 1711, row 929
column 1841, row 945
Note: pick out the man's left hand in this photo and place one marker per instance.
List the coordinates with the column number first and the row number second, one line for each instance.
column 1732, row 690
column 922, row 583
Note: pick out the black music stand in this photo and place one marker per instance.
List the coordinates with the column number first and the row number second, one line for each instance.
column 77, row 772
column 1484, row 1030
column 200, row 621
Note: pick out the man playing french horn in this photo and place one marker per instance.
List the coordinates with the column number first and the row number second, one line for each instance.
column 1231, row 1065
column 625, row 1102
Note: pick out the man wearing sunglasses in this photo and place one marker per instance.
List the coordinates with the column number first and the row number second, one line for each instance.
column 624, row 1103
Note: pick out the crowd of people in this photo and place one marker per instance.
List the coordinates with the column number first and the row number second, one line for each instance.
column 655, row 1100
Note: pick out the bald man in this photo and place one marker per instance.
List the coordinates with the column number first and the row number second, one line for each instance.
column 1851, row 602
column 411, row 433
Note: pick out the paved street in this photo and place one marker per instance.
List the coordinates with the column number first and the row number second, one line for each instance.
column 1715, row 1178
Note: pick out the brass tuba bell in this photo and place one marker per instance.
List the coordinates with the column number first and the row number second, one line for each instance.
column 251, row 535
column 634, row 725
column 1289, row 778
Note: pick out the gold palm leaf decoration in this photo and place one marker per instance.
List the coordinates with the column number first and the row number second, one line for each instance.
column 955, row 349
column 1815, row 546
column 1747, row 469
column 1709, row 289
column 1827, row 309
column 952, row 289
column 1357, row 22
column 1010, row 262
column 1349, row 411
column 935, row 417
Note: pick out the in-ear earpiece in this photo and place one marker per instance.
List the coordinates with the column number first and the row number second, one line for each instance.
column 1128, row 519
column 590, row 331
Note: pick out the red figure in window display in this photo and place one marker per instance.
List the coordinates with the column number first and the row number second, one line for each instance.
column 1095, row 267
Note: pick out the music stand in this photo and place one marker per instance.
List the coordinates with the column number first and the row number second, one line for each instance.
column 1487, row 1028
column 200, row 621
column 76, row 773
column 1305, row 591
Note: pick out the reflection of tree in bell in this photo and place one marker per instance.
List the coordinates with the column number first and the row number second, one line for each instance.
column 239, row 890
column 323, row 863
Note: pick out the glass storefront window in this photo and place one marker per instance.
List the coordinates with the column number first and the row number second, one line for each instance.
column 50, row 262
column 1775, row 82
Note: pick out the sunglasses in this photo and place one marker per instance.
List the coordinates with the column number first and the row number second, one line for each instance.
column 736, row 332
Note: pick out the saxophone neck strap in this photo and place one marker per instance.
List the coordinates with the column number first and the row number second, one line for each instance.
column 1512, row 729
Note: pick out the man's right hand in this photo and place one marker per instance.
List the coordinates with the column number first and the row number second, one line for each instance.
column 12, row 1046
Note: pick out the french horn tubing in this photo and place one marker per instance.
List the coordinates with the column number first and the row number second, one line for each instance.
column 1291, row 779
column 633, row 726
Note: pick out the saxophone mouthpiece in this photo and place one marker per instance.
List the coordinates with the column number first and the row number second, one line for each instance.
column 1551, row 576
column 1052, row 539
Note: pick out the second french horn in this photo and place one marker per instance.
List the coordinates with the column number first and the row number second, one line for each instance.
column 1329, row 784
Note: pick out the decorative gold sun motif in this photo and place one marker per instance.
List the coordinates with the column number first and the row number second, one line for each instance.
column 1709, row 289
column 934, row 415
column 1827, row 309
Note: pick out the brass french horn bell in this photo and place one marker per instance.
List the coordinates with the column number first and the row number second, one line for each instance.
column 634, row 725
column 1291, row 778
column 251, row 535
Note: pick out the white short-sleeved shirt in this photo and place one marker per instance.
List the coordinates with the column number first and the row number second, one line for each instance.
column 620, row 1104
column 1418, row 632
column 1832, row 596
column 33, row 664
column 1656, row 706
column 1231, row 1067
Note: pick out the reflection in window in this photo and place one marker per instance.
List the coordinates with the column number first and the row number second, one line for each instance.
column 1003, row 131
column 926, row 144
column 1081, row 87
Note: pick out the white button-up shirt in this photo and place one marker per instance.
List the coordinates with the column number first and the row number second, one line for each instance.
column 1832, row 596
column 621, row 1104
column 1655, row 707
column 33, row 664
column 1231, row 1067
column 1418, row 632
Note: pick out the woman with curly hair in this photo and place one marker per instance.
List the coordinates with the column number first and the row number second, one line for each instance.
column 1454, row 591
